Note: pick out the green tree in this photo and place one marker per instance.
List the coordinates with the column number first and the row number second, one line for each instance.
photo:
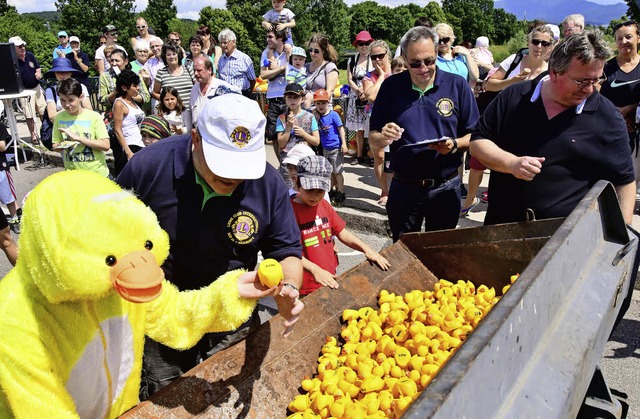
column 505, row 26
column 32, row 30
column 86, row 18
column 434, row 12
column 634, row 9
column 326, row 14
column 185, row 27
column 404, row 16
column 376, row 19
column 159, row 14
column 219, row 19
column 476, row 18
column 5, row 7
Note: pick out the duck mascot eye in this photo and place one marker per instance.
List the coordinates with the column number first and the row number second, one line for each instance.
column 86, row 288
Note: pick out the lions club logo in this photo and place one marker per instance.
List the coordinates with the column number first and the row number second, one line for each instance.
column 445, row 106
column 240, row 137
column 242, row 227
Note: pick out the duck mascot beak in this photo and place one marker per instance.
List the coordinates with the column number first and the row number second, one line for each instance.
column 136, row 276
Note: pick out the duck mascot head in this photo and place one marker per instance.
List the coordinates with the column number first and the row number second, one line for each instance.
column 86, row 289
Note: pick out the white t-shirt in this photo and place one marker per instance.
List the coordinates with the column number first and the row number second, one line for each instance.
column 285, row 16
column 506, row 63
column 100, row 56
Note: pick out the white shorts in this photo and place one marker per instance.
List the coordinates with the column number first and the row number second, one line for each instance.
column 7, row 190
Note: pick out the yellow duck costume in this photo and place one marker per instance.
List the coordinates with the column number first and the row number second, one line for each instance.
column 74, row 310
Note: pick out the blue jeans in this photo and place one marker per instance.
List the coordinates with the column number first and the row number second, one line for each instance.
column 409, row 205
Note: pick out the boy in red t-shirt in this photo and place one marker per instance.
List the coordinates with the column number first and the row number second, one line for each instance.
column 319, row 223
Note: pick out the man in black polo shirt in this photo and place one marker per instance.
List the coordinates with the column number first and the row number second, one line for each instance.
column 220, row 202
column 548, row 143
column 30, row 73
column 274, row 70
column 421, row 104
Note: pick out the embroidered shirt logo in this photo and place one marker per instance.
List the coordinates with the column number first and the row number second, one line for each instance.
column 616, row 83
column 445, row 107
column 243, row 227
column 240, row 137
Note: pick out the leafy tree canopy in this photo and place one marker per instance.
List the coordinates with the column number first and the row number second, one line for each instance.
column 159, row 14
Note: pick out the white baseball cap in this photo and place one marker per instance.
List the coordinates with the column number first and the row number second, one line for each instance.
column 17, row 41
column 297, row 152
column 232, row 129
column 74, row 39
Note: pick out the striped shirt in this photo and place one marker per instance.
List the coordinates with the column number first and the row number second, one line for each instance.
column 183, row 83
column 236, row 69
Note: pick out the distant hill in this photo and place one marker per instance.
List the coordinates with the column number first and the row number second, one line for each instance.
column 554, row 11
column 50, row 16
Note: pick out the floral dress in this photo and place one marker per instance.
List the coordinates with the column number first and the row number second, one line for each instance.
column 356, row 116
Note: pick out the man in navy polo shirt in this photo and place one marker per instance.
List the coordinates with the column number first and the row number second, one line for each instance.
column 221, row 203
column 548, row 142
column 30, row 73
column 421, row 104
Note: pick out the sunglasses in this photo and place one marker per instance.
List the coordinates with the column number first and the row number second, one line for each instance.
column 427, row 62
column 61, row 36
column 444, row 40
column 21, row 46
column 103, row 42
column 378, row 56
column 314, row 51
column 364, row 44
column 537, row 42
column 113, row 33
column 141, row 26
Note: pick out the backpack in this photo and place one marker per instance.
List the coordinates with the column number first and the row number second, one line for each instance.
column 485, row 98
column 46, row 129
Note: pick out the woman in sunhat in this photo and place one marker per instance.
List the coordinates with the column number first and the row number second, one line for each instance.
column 61, row 70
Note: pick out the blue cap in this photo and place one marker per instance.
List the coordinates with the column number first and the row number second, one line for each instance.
column 62, row 33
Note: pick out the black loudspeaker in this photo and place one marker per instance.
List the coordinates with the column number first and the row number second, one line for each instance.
column 10, row 80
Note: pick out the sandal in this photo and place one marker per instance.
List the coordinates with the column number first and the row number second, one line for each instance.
column 465, row 211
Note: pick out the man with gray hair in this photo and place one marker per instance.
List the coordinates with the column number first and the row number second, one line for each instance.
column 235, row 67
column 572, row 24
column 426, row 117
column 548, row 142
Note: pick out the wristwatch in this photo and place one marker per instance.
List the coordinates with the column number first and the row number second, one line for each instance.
column 454, row 149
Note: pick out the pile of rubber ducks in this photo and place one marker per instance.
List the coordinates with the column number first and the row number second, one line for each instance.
column 391, row 354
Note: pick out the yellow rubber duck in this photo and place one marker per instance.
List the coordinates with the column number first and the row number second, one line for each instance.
column 86, row 289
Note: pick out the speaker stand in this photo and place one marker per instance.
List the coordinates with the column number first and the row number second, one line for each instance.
column 16, row 141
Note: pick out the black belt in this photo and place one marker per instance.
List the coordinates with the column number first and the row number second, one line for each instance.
column 424, row 183
column 276, row 100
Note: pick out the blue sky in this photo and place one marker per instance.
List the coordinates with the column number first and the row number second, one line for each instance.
column 190, row 9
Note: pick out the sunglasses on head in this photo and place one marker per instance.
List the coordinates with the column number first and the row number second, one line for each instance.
column 427, row 62
column 378, row 56
column 444, row 40
column 537, row 42
column 364, row 44
column 314, row 51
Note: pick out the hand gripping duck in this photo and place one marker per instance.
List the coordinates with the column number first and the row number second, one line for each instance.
column 86, row 289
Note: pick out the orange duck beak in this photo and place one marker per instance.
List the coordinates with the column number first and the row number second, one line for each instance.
column 137, row 277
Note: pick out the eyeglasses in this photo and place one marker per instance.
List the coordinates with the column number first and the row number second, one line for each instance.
column 582, row 83
column 444, row 40
column 378, row 56
column 537, row 42
column 314, row 51
column 427, row 62
column 364, row 44
column 141, row 26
